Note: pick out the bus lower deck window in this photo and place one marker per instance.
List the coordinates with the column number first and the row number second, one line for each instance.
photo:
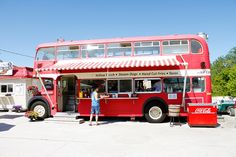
column 198, row 84
column 112, row 86
column 87, row 86
column 176, row 85
column 125, row 86
column 148, row 85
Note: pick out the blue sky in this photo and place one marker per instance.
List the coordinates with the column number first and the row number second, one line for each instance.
column 25, row 24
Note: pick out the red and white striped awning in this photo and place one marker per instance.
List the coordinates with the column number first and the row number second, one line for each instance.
column 110, row 63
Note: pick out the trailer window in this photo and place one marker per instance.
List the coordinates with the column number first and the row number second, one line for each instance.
column 10, row 88
column 147, row 48
column 46, row 54
column 198, row 84
column 6, row 88
column 3, row 88
column 175, row 85
column 148, row 85
column 119, row 49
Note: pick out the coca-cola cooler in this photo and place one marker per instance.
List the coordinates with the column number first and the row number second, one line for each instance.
column 202, row 114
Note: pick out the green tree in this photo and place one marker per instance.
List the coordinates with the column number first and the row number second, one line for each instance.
column 223, row 73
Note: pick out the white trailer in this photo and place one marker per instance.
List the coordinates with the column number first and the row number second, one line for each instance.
column 13, row 88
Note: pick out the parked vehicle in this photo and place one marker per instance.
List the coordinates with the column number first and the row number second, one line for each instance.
column 13, row 86
column 227, row 106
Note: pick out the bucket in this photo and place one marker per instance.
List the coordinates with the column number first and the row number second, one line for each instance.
column 174, row 110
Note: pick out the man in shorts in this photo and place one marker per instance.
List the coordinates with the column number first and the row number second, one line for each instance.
column 95, row 107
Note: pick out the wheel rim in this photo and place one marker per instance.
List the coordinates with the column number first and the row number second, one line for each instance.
column 40, row 110
column 155, row 112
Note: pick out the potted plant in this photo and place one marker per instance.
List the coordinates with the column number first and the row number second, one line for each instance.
column 32, row 115
column 33, row 90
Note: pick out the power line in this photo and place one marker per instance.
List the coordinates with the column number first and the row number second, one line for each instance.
column 15, row 53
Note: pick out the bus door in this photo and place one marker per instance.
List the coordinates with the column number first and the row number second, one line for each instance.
column 67, row 92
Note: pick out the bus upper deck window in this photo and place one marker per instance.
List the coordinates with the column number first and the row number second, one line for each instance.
column 46, row 54
column 67, row 52
column 175, row 47
column 93, row 51
column 196, row 47
column 119, row 49
column 147, row 48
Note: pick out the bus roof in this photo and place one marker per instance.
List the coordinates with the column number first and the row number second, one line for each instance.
column 126, row 39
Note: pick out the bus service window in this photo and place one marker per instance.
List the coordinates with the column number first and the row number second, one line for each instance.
column 148, row 85
column 86, row 87
column 112, row 86
column 176, row 85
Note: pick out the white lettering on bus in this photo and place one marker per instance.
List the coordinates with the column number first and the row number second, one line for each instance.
column 134, row 74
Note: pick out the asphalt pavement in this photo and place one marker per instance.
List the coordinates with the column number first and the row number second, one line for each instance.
column 113, row 137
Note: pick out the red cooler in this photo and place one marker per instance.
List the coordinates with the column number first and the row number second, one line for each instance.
column 202, row 114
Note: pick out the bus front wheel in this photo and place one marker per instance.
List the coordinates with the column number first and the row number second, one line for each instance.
column 154, row 113
column 40, row 108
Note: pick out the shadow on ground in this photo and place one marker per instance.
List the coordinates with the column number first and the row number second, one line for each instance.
column 110, row 120
column 8, row 116
column 5, row 127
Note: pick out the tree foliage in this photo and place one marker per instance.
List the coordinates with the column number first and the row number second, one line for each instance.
column 223, row 73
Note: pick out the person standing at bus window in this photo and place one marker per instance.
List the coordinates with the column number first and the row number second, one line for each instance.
column 95, row 106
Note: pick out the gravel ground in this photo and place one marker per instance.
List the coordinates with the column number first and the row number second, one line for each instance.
column 114, row 137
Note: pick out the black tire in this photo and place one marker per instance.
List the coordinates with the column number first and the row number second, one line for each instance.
column 231, row 111
column 41, row 108
column 155, row 112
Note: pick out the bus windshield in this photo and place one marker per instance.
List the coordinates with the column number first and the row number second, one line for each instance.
column 46, row 54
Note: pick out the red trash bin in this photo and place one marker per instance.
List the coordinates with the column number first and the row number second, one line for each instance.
column 202, row 114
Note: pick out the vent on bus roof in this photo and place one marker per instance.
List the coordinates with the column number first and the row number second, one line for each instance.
column 203, row 35
column 60, row 40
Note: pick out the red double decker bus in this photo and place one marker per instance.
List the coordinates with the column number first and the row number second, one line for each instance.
column 141, row 75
